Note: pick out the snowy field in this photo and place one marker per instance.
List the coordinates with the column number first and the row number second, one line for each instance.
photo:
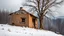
column 8, row 30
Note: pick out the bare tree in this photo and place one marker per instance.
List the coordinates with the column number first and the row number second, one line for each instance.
column 41, row 7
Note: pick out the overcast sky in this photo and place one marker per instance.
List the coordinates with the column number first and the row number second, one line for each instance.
column 11, row 5
column 14, row 5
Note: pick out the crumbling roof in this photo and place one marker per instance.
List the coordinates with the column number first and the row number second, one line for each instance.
column 23, row 12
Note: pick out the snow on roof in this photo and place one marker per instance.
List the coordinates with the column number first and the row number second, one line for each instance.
column 23, row 11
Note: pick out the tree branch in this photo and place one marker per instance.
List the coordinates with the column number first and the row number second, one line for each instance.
column 32, row 1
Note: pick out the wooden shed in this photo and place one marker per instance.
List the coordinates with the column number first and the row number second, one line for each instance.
column 23, row 18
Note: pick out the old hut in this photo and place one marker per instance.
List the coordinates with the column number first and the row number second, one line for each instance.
column 23, row 18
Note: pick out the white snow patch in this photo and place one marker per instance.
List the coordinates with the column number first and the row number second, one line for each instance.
column 8, row 30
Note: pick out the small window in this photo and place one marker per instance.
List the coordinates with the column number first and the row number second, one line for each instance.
column 23, row 19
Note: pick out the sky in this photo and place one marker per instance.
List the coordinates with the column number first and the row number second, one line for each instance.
column 14, row 5
column 11, row 5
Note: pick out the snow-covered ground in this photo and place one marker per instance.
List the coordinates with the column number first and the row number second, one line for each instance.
column 8, row 30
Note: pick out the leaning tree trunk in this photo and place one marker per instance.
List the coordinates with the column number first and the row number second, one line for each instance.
column 41, row 22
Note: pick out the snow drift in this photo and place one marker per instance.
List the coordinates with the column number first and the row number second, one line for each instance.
column 8, row 30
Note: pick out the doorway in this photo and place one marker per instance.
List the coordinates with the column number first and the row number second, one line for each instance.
column 33, row 20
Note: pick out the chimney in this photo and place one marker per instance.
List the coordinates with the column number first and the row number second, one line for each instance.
column 21, row 8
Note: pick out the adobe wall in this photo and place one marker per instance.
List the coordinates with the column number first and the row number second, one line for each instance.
column 16, row 19
column 31, row 25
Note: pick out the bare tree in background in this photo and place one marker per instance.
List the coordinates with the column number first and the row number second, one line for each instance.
column 41, row 7
column 4, row 17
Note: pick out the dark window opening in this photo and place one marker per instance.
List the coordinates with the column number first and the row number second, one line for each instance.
column 23, row 20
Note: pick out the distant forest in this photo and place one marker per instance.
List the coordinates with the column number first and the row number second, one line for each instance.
column 4, row 16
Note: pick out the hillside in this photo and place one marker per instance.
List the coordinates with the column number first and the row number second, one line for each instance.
column 8, row 30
